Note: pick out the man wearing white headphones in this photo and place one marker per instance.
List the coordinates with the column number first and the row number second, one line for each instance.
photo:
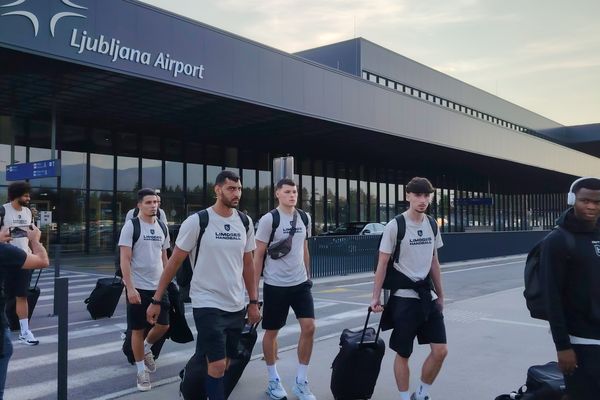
column 409, row 244
column 570, row 264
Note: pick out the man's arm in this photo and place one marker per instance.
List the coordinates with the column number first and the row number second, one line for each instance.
column 166, row 277
column 39, row 256
column 133, row 296
column 164, row 258
column 251, row 287
column 307, row 259
column 436, row 277
column 259, row 258
column 382, row 263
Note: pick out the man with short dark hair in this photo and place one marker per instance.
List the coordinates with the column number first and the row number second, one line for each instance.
column 572, row 277
column 286, row 284
column 13, row 260
column 415, row 307
column 160, row 214
column 222, row 263
column 142, row 264
column 16, row 285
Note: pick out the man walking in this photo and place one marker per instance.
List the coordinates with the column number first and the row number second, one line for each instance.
column 161, row 215
column 281, row 237
column 142, row 245
column 220, row 240
column 12, row 261
column 415, row 307
column 570, row 265
column 17, row 214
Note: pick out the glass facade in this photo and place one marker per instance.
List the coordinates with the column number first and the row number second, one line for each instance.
column 101, row 170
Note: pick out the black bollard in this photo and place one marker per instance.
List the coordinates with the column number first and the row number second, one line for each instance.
column 61, row 298
column 56, row 275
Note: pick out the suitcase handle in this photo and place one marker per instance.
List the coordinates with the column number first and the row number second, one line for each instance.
column 362, row 337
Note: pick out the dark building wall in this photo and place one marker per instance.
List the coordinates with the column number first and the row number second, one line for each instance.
column 344, row 56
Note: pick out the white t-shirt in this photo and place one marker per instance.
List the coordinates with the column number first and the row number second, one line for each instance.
column 288, row 270
column 161, row 215
column 146, row 255
column 217, row 281
column 416, row 250
column 13, row 217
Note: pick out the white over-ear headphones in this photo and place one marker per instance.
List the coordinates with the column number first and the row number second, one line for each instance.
column 571, row 196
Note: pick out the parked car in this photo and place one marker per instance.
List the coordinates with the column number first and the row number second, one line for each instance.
column 358, row 228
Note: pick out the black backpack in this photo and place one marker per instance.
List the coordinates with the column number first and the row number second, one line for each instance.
column 2, row 214
column 534, row 284
column 277, row 220
column 185, row 273
column 137, row 231
column 395, row 279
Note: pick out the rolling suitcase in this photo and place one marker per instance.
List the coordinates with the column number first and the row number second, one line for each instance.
column 356, row 367
column 104, row 298
column 33, row 294
column 192, row 376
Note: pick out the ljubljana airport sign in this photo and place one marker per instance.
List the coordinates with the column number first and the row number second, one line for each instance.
column 118, row 34
column 118, row 51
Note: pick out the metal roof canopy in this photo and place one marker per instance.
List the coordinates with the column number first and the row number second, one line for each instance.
column 30, row 85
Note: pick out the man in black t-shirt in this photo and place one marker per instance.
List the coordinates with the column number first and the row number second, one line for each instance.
column 12, row 260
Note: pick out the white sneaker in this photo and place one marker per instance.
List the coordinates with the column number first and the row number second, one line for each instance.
column 303, row 391
column 149, row 362
column 143, row 381
column 28, row 339
column 276, row 391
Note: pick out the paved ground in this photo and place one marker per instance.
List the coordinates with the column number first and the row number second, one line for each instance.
column 492, row 340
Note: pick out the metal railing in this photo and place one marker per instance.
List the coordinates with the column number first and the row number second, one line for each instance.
column 342, row 255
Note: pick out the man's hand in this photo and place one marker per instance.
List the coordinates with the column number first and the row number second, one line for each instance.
column 440, row 303
column 4, row 236
column 376, row 305
column 33, row 233
column 152, row 313
column 253, row 314
column 567, row 361
column 133, row 296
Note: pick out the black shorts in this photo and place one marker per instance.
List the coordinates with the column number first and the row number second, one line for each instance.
column 584, row 383
column 409, row 322
column 16, row 283
column 218, row 332
column 278, row 300
column 136, row 313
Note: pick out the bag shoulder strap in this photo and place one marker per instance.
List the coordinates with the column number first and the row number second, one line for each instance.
column 274, row 225
column 136, row 212
column 137, row 230
column 304, row 219
column 2, row 214
column 203, row 222
column 401, row 222
column 162, row 226
column 245, row 220
column 434, row 226
column 569, row 238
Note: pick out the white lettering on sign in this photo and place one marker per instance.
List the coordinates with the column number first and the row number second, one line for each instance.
column 114, row 49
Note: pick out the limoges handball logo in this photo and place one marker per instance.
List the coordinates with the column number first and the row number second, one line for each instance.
column 34, row 19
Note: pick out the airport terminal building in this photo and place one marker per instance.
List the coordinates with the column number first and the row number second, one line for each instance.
column 127, row 96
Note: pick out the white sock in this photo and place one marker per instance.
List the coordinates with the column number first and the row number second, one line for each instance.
column 423, row 390
column 24, row 325
column 404, row 395
column 147, row 347
column 272, row 370
column 140, row 366
column 301, row 375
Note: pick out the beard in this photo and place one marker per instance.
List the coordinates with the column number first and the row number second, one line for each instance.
column 23, row 203
column 230, row 203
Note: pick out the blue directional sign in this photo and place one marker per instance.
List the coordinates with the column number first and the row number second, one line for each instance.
column 33, row 170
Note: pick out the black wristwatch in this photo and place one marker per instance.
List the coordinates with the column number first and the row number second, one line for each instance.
column 253, row 302
column 157, row 302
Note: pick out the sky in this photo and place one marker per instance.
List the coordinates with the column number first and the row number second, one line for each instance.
column 543, row 55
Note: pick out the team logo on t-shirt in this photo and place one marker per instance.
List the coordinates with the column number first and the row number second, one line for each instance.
column 291, row 223
column 420, row 232
column 597, row 248
column 152, row 231
column 227, row 227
